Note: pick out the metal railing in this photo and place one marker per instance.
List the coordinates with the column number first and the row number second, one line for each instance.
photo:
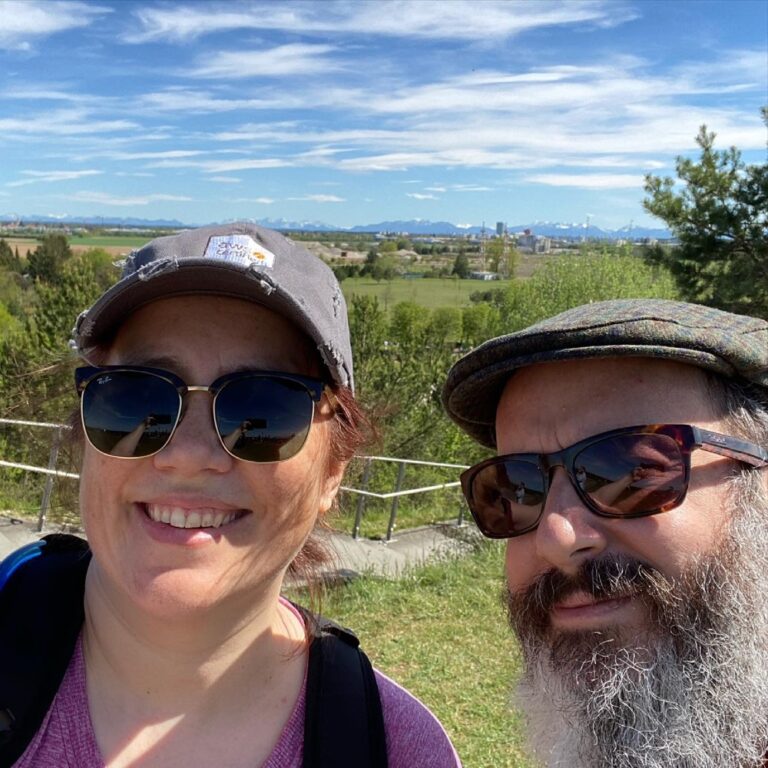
column 363, row 493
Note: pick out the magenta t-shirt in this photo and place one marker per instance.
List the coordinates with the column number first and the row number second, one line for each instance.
column 415, row 738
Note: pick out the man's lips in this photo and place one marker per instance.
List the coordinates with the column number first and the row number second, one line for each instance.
column 582, row 608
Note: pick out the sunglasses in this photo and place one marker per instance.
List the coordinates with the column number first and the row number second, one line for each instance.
column 629, row 472
column 131, row 412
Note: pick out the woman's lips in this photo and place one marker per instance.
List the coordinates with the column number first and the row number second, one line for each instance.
column 190, row 515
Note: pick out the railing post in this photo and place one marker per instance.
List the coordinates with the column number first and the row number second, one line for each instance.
column 52, row 461
column 361, row 499
column 462, row 510
column 395, row 501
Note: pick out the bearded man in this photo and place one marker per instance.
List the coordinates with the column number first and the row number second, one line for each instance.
column 637, row 552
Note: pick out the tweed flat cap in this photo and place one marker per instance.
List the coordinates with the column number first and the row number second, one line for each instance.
column 735, row 346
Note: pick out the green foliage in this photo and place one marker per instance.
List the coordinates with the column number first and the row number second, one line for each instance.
column 571, row 280
column 479, row 323
column 461, row 265
column 720, row 217
column 400, row 365
column 9, row 260
column 46, row 261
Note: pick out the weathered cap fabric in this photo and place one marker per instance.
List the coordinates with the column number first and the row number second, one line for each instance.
column 240, row 260
column 735, row 346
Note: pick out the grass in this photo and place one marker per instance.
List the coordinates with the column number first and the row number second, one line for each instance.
column 440, row 631
column 113, row 241
column 431, row 292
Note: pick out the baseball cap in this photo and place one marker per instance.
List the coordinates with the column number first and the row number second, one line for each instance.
column 240, row 260
column 735, row 346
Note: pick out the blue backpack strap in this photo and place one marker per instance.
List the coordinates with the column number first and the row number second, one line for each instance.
column 344, row 723
column 41, row 615
column 17, row 558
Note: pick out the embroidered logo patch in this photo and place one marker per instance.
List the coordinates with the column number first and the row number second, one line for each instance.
column 241, row 249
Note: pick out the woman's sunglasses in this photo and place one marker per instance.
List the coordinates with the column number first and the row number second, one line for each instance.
column 629, row 472
column 131, row 412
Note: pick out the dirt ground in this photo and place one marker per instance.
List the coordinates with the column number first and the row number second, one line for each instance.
column 27, row 244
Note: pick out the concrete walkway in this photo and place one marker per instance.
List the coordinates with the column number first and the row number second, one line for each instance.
column 410, row 548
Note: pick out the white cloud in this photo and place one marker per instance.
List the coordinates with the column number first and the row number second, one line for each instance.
column 292, row 59
column 29, row 20
column 259, row 200
column 225, row 179
column 321, row 198
column 61, row 122
column 421, row 196
column 479, row 20
column 107, row 199
column 51, row 176
column 589, row 181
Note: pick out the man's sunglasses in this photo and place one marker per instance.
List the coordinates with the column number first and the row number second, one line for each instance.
column 629, row 472
column 132, row 412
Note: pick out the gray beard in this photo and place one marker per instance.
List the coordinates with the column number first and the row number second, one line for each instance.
column 691, row 692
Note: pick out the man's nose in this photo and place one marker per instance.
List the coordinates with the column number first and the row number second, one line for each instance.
column 568, row 532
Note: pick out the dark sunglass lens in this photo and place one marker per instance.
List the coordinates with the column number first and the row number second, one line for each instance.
column 507, row 498
column 262, row 418
column 632, row 474
column 129, row 413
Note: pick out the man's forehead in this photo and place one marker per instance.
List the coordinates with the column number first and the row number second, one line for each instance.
column 565, row 401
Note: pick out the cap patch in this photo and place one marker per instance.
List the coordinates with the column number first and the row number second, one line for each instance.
column 239, row 249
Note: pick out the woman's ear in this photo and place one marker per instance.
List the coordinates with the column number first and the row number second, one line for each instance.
column 331, row 484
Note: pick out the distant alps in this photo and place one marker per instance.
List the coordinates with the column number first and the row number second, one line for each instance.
column 421, row 227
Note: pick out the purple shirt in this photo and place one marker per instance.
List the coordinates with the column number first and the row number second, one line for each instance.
column 415, row 739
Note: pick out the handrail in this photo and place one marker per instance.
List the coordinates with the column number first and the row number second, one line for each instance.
column 363, row 493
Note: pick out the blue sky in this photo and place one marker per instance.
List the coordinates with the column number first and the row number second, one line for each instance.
column 359, row 112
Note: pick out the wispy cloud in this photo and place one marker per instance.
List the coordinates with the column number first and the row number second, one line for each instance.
column 421, row 196
column 225, row 179
column 26, row 21
column 105, row 198
column 51, row 176
column 320, row 198
column 292, row 59
column 455, row 20
column 589, row 181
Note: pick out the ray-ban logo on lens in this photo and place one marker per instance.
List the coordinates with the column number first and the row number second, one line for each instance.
column 103, row 379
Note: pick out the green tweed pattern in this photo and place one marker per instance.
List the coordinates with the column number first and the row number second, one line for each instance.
column 735, row 346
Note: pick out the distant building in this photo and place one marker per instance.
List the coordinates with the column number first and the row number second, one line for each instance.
column 530, row 243
column 483, row 276
column 501, row 228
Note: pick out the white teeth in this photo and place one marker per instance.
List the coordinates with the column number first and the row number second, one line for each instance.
column 193, row 520
column 178, row 520
column 180, row 517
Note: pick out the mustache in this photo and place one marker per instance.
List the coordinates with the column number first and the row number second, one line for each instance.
column 609, row 577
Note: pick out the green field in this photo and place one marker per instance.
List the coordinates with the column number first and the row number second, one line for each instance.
column 440, row 631
column 430, row 292
column 109, row 241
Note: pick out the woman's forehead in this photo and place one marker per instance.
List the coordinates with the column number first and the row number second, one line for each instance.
column 222, row 332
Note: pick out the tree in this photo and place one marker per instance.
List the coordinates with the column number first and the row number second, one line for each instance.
column 720, row 218
column 461, row 265
column 46, row 261
column 8, row 259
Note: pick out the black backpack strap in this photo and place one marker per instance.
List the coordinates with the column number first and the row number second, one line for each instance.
column 344, row 723
column 41, row 615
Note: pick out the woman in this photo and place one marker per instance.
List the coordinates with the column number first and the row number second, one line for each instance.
column 218, row 418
